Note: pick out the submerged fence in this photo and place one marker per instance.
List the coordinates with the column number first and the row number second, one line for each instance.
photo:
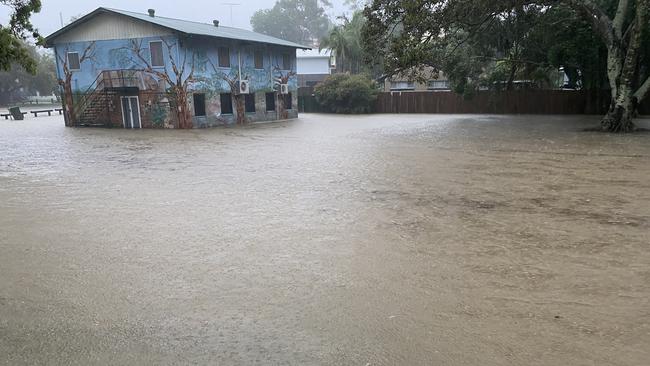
column 486, row 102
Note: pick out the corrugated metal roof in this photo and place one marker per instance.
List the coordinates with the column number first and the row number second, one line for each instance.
column 187, row 27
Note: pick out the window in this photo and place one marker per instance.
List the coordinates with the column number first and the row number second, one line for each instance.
column 259, row 60
column 224, row 57
column 199, row 104
column 270, row 102
column 73, row 61
column 402, row 85
column 286, row 62
column 226, row 103
column 438, row 85
column 288, row 101
column 156, row 50
column 249, row 101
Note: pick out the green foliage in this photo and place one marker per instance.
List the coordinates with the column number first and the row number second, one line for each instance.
column 159, row 115
column 12, row 36
column 17, row 83
column 345, row 93
column 300, row 21
column 492, row 42
column 345, row 41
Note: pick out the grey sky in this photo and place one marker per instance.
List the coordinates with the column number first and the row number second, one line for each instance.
column 48, row 19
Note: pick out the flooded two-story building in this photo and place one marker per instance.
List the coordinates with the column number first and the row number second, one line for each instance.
column 123, row 69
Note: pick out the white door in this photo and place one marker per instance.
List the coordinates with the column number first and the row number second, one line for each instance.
column 131, row 112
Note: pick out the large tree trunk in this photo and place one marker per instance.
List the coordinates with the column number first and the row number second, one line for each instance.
column 623, row 65
column 620, row 115
column 240, row 108
column 282, row 109
column 183, row 112
column 69, row 116
column 623, row 70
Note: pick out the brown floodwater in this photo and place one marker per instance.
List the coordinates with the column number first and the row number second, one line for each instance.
column 361, row 240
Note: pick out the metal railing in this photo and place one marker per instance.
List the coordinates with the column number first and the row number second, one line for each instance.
column 107, row 79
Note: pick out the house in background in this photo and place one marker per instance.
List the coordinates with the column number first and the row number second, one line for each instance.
column 435, row 81
column 314, row 66
column 132, row 70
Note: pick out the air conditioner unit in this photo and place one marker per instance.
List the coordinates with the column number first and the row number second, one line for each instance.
column 244, row 87
column 284, row 88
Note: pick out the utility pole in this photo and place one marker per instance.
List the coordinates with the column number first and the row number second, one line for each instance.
column 231, row 6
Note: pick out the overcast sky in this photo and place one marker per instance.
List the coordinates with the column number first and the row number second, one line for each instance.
column 48, row 20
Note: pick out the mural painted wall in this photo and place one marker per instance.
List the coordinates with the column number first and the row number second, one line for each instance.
column 190, row 65
column 107, row 55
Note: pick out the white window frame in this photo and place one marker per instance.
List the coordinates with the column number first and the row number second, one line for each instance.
column 128, row 97
column 402, row 85
column 67, row 56
column 162, row 54
column 438, row 85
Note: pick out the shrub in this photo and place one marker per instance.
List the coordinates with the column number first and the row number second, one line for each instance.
column 344, row 93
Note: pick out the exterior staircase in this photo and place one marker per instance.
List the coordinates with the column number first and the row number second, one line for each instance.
column 95, row 111
column 94, row 107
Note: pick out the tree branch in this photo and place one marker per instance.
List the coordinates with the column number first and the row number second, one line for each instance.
column 643, row 90
column 621, row 16
column 598, row 18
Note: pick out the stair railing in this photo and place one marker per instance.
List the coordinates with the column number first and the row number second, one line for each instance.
column 89, row 94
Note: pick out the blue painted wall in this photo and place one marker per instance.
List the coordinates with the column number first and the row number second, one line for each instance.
column 118, row 54
column 107, row 55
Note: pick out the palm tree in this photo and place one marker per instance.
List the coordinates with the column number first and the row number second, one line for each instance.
column 345, row 41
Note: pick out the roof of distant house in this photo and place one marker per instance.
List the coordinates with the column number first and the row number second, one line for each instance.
column 314, row 53
column 184, row 27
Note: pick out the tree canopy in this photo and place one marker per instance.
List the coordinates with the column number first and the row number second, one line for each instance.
column 300, row 21
column 345, row 41
column 598, row 43
column 13, row 35
column 17, row 83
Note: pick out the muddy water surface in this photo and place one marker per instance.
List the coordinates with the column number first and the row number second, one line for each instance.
column 374, row 240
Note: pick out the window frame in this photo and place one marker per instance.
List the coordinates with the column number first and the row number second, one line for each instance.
column 288, row 97
column 266, row 101
column 435, row 85
column 286, row 57
column 219, row 53
column 409, row 85
column 246, row 98
column 162, row 54
column 67, row 56
column 232, row 110
column 205, row 112
column 261, row 59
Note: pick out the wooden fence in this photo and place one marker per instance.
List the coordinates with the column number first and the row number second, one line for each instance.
column 507, row 102
column 485, row 102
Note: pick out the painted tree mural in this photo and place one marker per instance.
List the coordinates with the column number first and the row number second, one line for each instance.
column 177, row 80
column 66, row 83
column 283, row 78
column 232, row 79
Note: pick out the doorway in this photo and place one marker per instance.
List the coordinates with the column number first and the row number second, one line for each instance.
column 131, row 112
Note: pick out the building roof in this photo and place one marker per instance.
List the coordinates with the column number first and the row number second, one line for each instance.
column 182, row 26
column 314, row 53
